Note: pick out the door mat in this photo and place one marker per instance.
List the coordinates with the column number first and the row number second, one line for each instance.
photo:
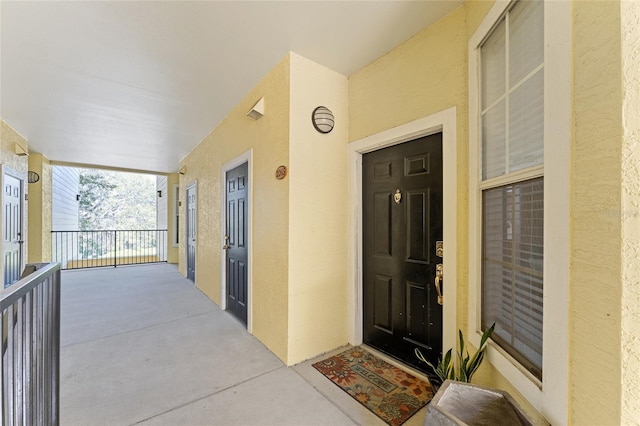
column 388, row 392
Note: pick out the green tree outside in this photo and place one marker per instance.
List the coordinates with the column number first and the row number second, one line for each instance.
column 116, row 200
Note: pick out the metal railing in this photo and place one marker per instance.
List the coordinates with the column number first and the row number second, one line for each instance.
column 92, row 249
column 30, row 391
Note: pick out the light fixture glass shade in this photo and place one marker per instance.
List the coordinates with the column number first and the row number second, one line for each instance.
column 323, row 119
column 32, row 177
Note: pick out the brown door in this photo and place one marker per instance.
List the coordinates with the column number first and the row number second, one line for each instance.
column 12, row 229
column 191, row 232
column 236, row 242
column 402, row 220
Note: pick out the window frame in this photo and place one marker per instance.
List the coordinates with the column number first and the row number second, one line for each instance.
column 549, row 396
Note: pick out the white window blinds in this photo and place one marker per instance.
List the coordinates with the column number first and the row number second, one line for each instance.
column 511, row 116
column 512, row 92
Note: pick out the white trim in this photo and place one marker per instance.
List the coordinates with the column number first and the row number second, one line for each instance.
column 245, row 157
column 445, row 122
column 551, row 396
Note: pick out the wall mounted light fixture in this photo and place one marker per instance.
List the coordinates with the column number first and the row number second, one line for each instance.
column 22, row 152
column 32, row 177
column 322, row 119
column 257, row 111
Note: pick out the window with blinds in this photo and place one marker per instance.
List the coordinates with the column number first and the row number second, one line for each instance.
column 512, row 181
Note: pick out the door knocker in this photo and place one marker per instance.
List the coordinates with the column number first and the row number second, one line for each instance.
column 397, row 197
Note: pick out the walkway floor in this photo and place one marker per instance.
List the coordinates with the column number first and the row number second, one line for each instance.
column 141, row 345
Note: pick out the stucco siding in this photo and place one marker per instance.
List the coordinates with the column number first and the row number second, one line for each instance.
column 40, row 211
column 595, row 289
column 630, row 344
column 19, row 165
column 162, row 202
column 268, row 137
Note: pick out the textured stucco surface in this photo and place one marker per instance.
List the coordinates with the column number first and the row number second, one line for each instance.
column 40, row 220
column 595, row 290
column 630, row 344
column 425, row 75
column 18, row 164
column 318, row 282
column 269, row 138
column 172, row 252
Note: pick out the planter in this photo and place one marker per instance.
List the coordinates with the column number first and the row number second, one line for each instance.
column 464, row 404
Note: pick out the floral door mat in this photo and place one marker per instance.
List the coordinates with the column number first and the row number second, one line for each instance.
column 388, row 392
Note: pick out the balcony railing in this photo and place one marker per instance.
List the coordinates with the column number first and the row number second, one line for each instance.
column 92, row 249
column 30, row 331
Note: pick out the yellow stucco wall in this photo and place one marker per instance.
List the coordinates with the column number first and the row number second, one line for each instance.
column 18, row 164
column 172, row 252
column 630, row 344
column 317, row 213
column 269, row 139
column 425, row 75
column 595, row 290
column 40, row 200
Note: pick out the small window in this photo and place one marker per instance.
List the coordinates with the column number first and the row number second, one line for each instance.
column 512, row 182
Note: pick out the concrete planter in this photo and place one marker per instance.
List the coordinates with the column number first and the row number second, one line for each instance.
column 464, row 404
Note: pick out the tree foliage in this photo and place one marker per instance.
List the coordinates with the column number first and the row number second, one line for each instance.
column 116, row 200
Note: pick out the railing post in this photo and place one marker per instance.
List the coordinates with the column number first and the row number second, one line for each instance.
column 115, row 249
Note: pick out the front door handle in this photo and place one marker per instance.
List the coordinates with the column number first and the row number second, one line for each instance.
column 439, row 273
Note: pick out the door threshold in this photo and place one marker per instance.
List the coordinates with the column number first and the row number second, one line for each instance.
column 397, row 363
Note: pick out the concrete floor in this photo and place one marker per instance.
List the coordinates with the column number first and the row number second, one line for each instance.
column 141, row 345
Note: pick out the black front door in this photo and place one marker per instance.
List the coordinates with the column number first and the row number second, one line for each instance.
column 402, row 221
column 236, row 241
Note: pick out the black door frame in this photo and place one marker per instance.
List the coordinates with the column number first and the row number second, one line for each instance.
column 246, row 157
column 445, row 122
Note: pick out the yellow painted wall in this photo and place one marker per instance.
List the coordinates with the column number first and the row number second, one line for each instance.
column 40, row 200
column 269, row 139
column 420, row 77
column 18, row 164
column 595, row 290
column 630, row 344
column 317, row 213
column 172, row 252
column 425, row 75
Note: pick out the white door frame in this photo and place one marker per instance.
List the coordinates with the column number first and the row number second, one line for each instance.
column 245, row 157
column 193, row 184
column 445, row 122
column 4, row 170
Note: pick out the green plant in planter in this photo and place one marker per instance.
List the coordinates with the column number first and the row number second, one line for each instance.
column 466, row 366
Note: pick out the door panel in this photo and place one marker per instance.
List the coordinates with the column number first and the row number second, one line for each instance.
column 402, row 220
column 12, row 229
column 191, row 232
column 236, row 242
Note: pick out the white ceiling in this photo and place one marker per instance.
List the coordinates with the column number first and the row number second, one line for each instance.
column 137, row 84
